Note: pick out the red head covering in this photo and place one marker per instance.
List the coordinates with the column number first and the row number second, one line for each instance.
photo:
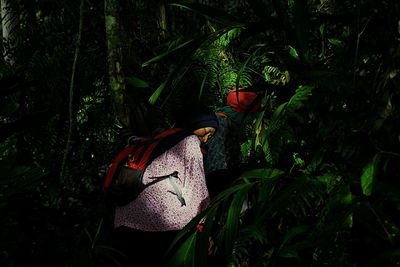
column 242, row 101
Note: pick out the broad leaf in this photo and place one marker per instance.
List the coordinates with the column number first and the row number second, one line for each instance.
column 136, row 82
column 232, row 221
column 368, row 176
column 185, row 254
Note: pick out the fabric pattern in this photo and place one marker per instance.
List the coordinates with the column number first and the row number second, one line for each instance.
column 157, row 208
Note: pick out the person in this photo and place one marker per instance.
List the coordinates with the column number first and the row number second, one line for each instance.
column 145, row 228
column 223, row 160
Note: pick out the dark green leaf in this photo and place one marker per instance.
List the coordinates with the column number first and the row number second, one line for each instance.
column 232, row 221
column 261, row 174
column 136, row 82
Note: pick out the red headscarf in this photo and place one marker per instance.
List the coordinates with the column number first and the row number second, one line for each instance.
column 242, row 101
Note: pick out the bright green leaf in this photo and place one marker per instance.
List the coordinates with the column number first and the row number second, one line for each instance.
column 368, row 176
column 293, row 52
column 153, row 98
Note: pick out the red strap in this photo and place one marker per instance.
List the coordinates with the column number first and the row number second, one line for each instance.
column 144, row 159
column 146, row 155
column 140, row 157
column 137, row 152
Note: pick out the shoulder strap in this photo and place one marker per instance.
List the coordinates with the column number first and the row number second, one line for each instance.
column 222, row 114
column 144, row 151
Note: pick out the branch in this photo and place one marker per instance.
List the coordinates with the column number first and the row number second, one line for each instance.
column 71, row 93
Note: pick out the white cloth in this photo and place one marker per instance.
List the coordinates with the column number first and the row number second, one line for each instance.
column 157, row 208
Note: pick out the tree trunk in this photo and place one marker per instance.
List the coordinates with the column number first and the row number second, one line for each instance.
column 128, row 107
column 9, row 20
column 163, row 19
column 114, row 60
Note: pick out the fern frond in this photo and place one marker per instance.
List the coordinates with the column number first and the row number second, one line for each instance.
column 278, row 132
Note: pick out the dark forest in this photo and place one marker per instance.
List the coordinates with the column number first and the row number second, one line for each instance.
column 319, row 178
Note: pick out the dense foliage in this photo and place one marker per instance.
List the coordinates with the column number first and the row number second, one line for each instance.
column 320, row 186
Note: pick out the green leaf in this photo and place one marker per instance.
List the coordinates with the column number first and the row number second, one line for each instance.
column 169, row 52
column 178, row 73
column 227, row 193
column 191, row 46
column 368, row 176
column 202, row 244
column 136, row 82
column 303, row 92
column 202, row 85
column 259, row 120
column 185, row 253
column 232, row 221
column 189, row 229
column 241, row 71
column 153, row 98
column 293, row 52
column 262, row 173
column 336, row 42
column 291, row 234
column 322, row 29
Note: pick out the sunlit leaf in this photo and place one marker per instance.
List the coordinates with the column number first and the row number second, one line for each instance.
column 293, row 52
column 241, row 71
column 368, row 175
